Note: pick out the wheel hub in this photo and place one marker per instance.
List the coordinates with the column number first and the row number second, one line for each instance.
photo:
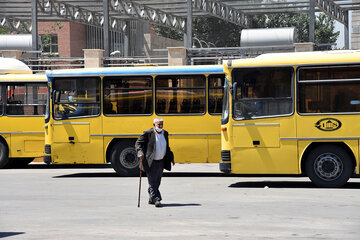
column 328, row 166
column 128, row 158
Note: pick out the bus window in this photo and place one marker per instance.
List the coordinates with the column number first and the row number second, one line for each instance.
column 180, row 94
column 26, row 99
column 128, row 95
column 76, row 97
column 262, row 92
column 329, row 89
column 216, row 93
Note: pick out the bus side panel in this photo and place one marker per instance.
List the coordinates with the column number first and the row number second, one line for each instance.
column 265, row 160
column 352, row 144
column 27, row 136
column 183, row 153
column 214, row 148
column 79, row 141
column 26, row 145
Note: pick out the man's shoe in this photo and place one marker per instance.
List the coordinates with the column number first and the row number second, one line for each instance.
column 158, row 204
column 151, row 202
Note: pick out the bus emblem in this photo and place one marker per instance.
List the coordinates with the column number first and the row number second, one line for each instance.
column 328, row 124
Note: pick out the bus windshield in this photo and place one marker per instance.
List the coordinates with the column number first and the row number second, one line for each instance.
column 76, row 97
column 261, row 92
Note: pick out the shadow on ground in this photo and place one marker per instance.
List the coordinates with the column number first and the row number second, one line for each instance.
column 286, row 184
column 181, row 205
column 9, row 234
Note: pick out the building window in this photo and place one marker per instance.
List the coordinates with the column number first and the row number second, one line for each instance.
column 50, row 44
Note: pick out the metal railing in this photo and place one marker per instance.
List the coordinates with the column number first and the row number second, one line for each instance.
column 42, row 64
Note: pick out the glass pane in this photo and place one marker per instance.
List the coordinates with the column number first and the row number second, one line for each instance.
column 172, row 100
column 216, row 93
column 180, row 81
column 127, row 82
column 329, row 97
column 76, row 97
column 28, row 99
column 262, row 92
column 180, row 101
column 128, row 102
column 329, row 73
column 128, row 95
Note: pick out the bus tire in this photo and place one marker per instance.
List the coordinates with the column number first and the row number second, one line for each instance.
column 4, row 155
column 329, row 166
column 124, row 159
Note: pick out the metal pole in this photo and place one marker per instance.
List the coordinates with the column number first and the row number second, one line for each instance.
column 188, row 35
column 106, row 28
column 126, row 39
column 346, row 33
column 312, row 21
column 34, row 30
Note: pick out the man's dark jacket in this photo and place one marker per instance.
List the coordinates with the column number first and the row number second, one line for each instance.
column 146, row 144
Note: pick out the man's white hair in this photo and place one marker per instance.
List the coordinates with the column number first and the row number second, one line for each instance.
column 158, row 119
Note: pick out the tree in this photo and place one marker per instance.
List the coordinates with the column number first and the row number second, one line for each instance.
column 225, row 34
column 4, row 31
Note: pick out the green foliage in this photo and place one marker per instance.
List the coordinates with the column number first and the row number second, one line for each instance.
column 4, row 31
column 168, row 32
column 225, row 34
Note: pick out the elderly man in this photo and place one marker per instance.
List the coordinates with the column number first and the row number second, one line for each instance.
column 153, row 150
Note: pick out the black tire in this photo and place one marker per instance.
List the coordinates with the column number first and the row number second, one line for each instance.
column 4, row 155
column 124, row 159
column 329, row 166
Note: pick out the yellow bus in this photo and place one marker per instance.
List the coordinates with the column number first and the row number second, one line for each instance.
column 96, row 115
column 23, row 98
column 293, row 113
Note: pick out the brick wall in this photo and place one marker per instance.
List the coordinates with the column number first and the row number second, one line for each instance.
column 71, row 37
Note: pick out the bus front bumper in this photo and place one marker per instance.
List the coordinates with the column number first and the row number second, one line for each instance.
column 47, row 159
column 225, row 167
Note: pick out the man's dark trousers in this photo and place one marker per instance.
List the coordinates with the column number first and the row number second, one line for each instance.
column 154, row 175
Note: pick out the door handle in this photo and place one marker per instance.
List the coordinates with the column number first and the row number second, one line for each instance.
column 71, row 139
column 256, row 143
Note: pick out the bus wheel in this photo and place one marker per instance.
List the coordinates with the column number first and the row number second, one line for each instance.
column 4, row 155
column 329, row 166
column 124, row 159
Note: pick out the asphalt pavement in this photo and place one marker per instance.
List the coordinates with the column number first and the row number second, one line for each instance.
column 92, row 202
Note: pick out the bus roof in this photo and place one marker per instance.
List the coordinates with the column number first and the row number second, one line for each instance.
column 11, row 65
column 298, row 58
column 111, row 71
column 23, row 78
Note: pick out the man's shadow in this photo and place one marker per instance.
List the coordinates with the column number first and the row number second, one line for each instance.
column 180, row 205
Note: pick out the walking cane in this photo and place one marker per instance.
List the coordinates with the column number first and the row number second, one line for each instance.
column 139, row 183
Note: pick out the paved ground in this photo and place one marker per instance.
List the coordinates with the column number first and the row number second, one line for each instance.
column 199, row 203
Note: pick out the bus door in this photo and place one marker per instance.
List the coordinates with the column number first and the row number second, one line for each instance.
column 77, row 123
column 264, row 130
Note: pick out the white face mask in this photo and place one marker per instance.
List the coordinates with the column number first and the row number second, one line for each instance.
column 158, row 129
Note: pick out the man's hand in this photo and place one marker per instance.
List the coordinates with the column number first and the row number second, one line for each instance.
column 173, row 162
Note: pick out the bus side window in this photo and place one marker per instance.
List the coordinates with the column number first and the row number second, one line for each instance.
column 180, row 94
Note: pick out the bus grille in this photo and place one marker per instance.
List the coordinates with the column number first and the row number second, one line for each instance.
column 48, row 149
column 225, row 156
